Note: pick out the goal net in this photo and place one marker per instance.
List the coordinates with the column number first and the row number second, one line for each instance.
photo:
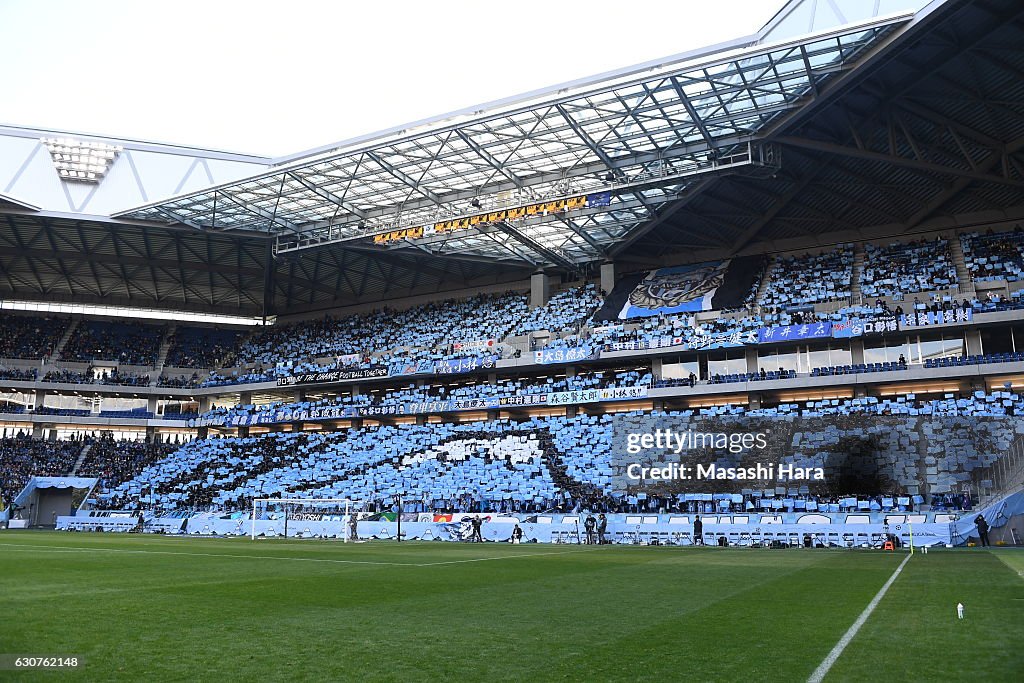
column 305, row 518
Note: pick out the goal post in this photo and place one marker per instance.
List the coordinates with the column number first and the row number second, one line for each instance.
column 330, row 517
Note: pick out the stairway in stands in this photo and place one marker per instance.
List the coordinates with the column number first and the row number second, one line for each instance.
column 64, row 339
column 161, row 357
column 956, row 253
column 766, row 278
column 858, row 269
column 81, row 459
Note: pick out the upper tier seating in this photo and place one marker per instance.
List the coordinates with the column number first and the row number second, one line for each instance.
column 29, row 337
column 203, row 347
column 994, row 256
column 899, row 269
column 810, row 279
column 127, row 343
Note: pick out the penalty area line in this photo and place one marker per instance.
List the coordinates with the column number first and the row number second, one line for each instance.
column 851, row 633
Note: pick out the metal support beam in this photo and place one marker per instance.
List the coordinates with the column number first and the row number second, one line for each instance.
column 260, row 212
column 329, row 196
column 552, row 256
column 868, row 155
column 404, row 178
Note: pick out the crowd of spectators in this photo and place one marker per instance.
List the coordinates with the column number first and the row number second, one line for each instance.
column 810, row 279
column 30, row 337
column 114, row 461
column 114, row 377
column 20, row 374
column 899, row 269
column 23, row 457
column 127, row 343
column 203, row 347
column 994, row 256
column 180, row 381
column 563, row 462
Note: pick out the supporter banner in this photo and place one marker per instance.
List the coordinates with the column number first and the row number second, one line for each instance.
column 399, row 368
column 561, row 398
column 858, row 327
column 768, row 335
column 450, row 406
column 563, row 355
column 623, row 393
column 680, row 289
column 460, row 365
column 880, row 324
column 927, row 318
column 331, row 376
column 523, row 400
column 284, row 415
column 472, row 345
column 646, row 344
column 718, row 340
column 721, row 340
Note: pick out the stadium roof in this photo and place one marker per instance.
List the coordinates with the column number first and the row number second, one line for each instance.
column 893, row 124
column 646, row 134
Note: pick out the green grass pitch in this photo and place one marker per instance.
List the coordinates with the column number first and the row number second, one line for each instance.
column 178, row 609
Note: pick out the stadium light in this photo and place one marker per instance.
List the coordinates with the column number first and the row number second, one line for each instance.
column 81, row 160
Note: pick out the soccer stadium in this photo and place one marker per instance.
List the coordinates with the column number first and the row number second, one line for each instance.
column 705, row 368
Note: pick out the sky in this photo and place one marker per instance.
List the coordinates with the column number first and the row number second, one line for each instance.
column 275, row 78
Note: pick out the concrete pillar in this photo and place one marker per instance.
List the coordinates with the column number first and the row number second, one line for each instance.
column 540, row 289
column 299, row 396
column 356, row 389
column 421, row 420
column 860, row 391
column 973, row 342
column 243, row 432
column 571, row 411
column 754, row 401
column 656, row 368
column 570, row 371
column 203, row 432
column 608, row 277
column 151, row 405
column 39, row 400
column 492, row 378
column 751, row 358
column 245, row 398
column 37, row 430
column 493, row 415
column 150, row 434
column 856, row 351
column 204, row 404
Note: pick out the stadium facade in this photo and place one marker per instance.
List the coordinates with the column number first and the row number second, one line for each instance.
column 817, row 225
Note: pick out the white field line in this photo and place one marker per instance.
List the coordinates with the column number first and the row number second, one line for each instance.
column 829, row 660
column 46, row 548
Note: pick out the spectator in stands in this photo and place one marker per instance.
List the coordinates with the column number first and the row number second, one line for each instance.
column 698, row 531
